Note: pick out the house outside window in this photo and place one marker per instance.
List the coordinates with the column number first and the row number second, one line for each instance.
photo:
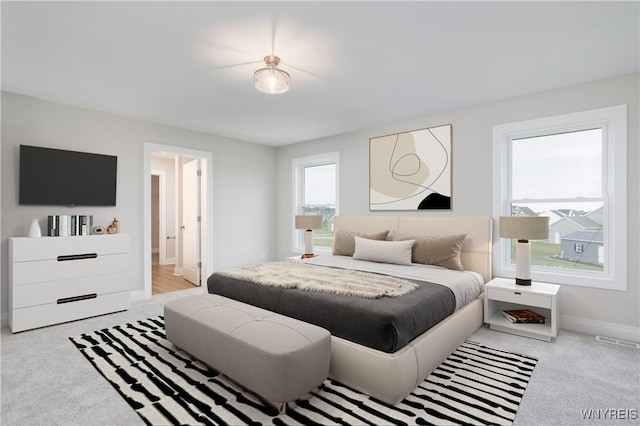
column 315, row 183
column 571, row 168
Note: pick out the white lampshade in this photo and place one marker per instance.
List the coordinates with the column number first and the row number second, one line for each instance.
column 308, row 221
column 271, row 80
column 524, row 228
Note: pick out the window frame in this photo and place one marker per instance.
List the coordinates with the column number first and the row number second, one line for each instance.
column 613, row 121
column 298, row 165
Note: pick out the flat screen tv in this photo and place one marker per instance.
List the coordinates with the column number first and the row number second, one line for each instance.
column 58, row 177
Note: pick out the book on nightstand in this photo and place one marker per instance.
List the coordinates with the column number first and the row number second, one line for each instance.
column 523, row 316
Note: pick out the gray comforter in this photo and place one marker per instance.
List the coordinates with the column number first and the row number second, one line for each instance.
column 386, row 324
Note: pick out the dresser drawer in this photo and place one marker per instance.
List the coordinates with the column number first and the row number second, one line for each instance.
column 103, row 304
column 43, row 293
column 55, row 270
column 54, row 313
column 41, row 315
column 103, row 244
column 51, row 291
column 519, row 297
column 46, row 248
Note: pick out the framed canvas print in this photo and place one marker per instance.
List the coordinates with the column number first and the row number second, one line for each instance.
column 411, row 170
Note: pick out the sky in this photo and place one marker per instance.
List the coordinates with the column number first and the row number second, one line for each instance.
column 560, row 166
column 320, row 185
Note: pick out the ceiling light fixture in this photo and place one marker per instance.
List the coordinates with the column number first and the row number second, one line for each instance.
column 270, row 79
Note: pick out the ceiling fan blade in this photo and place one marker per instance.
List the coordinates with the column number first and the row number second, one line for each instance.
column 305, row 71
column 222, row 67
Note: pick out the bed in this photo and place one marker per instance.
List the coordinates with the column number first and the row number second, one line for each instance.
column 380, row 359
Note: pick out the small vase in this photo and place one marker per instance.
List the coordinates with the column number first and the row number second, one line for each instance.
column 34, row 230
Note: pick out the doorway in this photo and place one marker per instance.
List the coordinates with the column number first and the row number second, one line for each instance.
column 177, row 214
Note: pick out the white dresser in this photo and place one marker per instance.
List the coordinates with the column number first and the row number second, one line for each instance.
column 59, row 279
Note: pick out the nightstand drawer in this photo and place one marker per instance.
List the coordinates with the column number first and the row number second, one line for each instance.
column 519, row 297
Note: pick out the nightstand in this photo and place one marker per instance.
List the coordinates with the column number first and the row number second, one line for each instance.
column 543, row 298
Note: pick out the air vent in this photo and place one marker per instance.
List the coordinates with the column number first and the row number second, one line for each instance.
column 618, row 342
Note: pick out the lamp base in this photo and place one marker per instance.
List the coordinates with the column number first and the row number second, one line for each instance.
column 520, row 281
column 307, row 256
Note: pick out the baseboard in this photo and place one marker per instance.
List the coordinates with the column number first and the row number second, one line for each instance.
column 600, row 328
column 178, row 272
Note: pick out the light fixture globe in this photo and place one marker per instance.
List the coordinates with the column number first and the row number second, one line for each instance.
column 270, row 79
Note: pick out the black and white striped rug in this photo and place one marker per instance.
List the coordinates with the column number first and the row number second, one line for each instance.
column 474, row 385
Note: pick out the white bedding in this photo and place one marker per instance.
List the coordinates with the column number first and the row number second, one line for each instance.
column 465, row 285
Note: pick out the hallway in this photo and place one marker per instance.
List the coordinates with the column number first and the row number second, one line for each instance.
column 163, row 280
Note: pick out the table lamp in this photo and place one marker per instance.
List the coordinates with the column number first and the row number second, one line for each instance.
column 309, row 223
column 523, row 229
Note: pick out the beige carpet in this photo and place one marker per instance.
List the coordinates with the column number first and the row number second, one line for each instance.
column 46, row 380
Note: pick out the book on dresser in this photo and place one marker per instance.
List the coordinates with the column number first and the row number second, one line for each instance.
column 523, row 316
column 69, row 225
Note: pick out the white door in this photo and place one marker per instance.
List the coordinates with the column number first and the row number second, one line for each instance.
column 191, row 220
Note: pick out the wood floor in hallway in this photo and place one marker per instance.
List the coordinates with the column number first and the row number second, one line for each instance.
column 163, row 280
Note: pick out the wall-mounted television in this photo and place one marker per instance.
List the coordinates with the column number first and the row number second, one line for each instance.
column 58, row 177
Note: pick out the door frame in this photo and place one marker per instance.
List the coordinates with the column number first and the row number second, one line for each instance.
column 206, row 202
column 162, row 215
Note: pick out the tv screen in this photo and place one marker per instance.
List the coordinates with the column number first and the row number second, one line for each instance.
column 58, row 177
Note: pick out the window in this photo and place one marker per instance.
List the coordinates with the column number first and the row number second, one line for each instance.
column 571, row 168
column 315, row 183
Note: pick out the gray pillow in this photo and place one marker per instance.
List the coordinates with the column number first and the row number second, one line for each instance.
column 344, row 241
column 438, row 251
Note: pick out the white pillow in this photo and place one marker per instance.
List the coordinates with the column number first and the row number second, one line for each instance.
column 383, row 251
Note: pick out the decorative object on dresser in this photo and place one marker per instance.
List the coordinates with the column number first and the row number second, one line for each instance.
column 524, row 228
column 308, row 223
column 98, row 230
column 534, row 308
column 411, row 170
column 114, row 228
column 54, row 280
column 34, row 229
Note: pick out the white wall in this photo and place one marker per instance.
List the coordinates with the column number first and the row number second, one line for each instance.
column 242, row 177
column 582, row 309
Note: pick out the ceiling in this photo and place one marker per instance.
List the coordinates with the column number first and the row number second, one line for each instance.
column 353, row 65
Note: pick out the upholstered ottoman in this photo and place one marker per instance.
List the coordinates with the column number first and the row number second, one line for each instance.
column 277, row 357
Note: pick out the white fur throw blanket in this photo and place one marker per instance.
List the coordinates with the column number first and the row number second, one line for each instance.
column 321, row 278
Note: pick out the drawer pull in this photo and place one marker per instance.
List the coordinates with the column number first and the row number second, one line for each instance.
column 517, row 292
column 76, row 298
column 77, row 256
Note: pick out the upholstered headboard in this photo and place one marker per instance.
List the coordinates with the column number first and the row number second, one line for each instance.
column 476, row 250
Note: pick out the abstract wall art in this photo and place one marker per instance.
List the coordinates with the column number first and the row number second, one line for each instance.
column 411, row 170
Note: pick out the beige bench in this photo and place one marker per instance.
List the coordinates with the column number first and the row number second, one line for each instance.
column 277, row 357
